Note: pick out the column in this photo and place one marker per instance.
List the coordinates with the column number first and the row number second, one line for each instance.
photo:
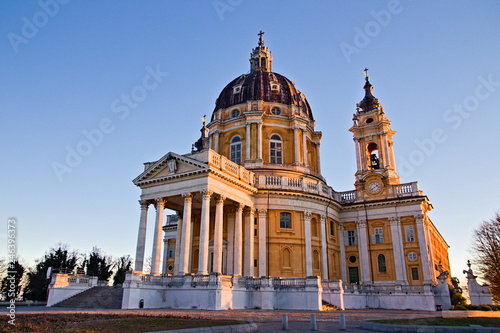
column 178, row 238
column 141, row 236
column 318, row 157
column 259, row 141
column 157, row 238
column 262, row 242
column 238, row 239
column 324, row 258
column 190, row 257
column 296, row 144
column 165, row 256
column 307, row 236
column 204, row 232
column 364, row 258
column 186, row 235
column 304, row 144
column 247, row 141
column 343, row 264
column 397, row 247
column 230, row 241
column 358, row 157
column 422, row 243
column 219, row 211
column 387, row 161
column 215, row 146
column 249, row 242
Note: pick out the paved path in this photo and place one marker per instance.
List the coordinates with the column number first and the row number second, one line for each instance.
column 266, row 320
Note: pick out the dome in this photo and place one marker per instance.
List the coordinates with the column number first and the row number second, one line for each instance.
column 261, row 85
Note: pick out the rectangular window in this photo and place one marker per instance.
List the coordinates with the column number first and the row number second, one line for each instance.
column 171, row 251
column 255, row 263
column 410, row 234
column 414, row 273
column 235, row 155
column 378, row 238
column 332, row 228
column 255, row 232
column 286, row 220
column 276, row 154
column 350, row 237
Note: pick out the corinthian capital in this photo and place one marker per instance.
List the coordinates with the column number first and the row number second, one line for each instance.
column 361, row 224
column 144, row 204
column 395, row 221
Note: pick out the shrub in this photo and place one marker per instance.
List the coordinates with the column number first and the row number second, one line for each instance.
column 484, row 307
column 460, row 307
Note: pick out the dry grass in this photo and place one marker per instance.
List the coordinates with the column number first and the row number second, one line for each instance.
column 102, row 323
column 438, row 321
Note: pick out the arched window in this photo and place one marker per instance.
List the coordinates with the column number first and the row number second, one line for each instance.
column 235, row 147
column 276, row 149
column 382, row 268
column 374, row 161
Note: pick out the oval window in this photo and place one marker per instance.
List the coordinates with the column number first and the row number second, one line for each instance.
column 276, row 111
column 235, row 113
column 369, row 120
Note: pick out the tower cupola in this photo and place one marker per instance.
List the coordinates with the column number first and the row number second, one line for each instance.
column 376, row 166
column 260, row 58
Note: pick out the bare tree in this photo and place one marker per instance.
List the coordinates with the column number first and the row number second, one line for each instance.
column 486, row 250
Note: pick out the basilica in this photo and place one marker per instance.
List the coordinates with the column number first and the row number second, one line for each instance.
column 257, row 225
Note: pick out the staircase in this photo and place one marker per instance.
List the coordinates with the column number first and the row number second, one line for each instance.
column 329, row 307
column 95, row 298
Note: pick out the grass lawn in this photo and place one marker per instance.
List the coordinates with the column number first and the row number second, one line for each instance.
column 102, row 323
column 438, row 321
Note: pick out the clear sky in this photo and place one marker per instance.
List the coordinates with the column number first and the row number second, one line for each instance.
column 67, row 67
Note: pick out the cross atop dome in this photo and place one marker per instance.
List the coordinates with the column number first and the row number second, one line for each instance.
column 260, row 58
column 261, row 40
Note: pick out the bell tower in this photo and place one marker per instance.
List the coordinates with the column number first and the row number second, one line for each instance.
column 376, row 167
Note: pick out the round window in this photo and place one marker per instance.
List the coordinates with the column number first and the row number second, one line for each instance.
column 276, row 111
column 352, row 259
column 235, row 113
column 412, row 256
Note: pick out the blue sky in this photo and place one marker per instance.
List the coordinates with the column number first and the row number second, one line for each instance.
column 67, row 68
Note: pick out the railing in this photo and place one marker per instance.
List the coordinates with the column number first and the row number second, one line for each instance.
column 169, row 281
column 373, row 288
column 226, row 165
column 280, row 283
column 200, row 280
column 79, row 280
column 407, row 190
column 347, row 197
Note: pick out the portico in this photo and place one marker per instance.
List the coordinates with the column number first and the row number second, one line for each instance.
column 211, row 214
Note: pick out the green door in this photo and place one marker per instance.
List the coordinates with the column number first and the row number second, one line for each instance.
column 353, row 275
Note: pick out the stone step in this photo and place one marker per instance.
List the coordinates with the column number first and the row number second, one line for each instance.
column 102, row 297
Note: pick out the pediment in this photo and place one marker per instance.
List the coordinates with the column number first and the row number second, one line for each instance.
column 170, row 165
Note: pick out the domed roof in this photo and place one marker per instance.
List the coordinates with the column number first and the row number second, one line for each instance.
column 262, row 84
column 258, row 85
